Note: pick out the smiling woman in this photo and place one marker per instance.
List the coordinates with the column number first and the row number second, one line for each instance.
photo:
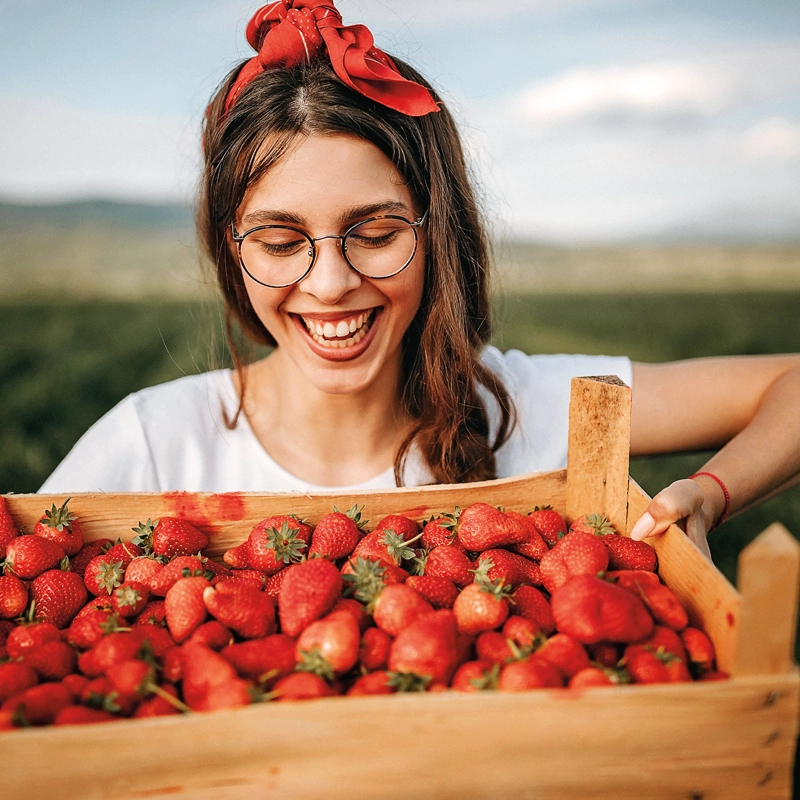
column 336, row 208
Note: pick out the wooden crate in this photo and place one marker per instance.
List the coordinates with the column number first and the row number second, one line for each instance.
column 726, row 740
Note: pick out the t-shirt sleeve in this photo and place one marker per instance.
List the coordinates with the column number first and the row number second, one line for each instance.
column 112, row 456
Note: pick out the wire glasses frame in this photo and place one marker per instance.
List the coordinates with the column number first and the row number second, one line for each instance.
column 312, row 249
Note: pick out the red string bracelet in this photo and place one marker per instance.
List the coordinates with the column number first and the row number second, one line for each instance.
column 724, row 488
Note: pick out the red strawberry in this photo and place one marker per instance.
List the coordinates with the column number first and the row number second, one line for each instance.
column 143, row 569
column 29, row 556
column 272, row 585
column 439, row 592
column 111, row 649
column 58, row 596
column 493, row 647
column 625, row 553
column 699, row 650
column 352, row 607
column 592, row 610
column 401, row 525
column 644, row 666
column 374, row 651
column 714, row 675
column 130, row 598
column 397, row 606
column 81, row 715
column 154, row 613
column 236, row 557
column 185, row 607
column 633, row 578
column 8, row 528
column 52, row 660
column 158, row 706
column 234, row 693
column 89, row 627
column 180, row 567
column 170, row 537
column 663, row 603
column 590, row 677
column 124, row 552
column 218, row 571
column 384, row 546
column 61, row 526
column 427, row 647
column 440, row 530
column 329, row 646
column 512, row 568
column 302, row 686
column 310, row 589
column 103, row 575
column 534, row 546
column 565, row 654
column 263, row 660
column 549, row 523
column 38, row 705
column 482, row 527
column 529, row 673
column 476, row 676
column 379, row 682
column 207, row 677
column 23, row 637
column 666, row 645
column 212, row 634
column 96, row 547
column 605, row 654
column 276, row 542
column 522, row 632
column 156, row 641
column 447, row 561
column 336, row 534
column 578, row 553
column 245, row 610
column 15, row 677
column 76, row 684
column 131, row 680
column 481, row 606
column 13, row 596
column 530, row 603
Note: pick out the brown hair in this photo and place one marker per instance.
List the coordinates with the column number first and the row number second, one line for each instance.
column 442, row 368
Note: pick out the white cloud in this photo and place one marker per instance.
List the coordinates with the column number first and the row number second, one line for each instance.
column 773, row 139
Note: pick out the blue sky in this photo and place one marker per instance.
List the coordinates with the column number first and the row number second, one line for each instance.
column 585, row 119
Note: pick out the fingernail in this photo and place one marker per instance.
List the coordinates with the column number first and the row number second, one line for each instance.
column 643, row 528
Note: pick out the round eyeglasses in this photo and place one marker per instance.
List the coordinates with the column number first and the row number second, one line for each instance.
column 279, row 255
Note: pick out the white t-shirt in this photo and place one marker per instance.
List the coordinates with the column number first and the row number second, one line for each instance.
column 173, row 437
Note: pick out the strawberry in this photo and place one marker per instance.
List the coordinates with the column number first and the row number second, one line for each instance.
column 667, row 646
column 397, row 606
column 483, row 527
column 15, row 677
column 218, row 571
column 236, row 557
column 476, row 676
column 549, row 523
column 481, row 606
column 352, row 607
column 25, row 636
column 530, row 603
column 154, row 613
column 374, row 651
column 13, row 596
column 76, row 684
column 131, row 680
column 578, row 553
column 143, row 569
column 302, row 686
column 365, row 579
column 512, row 568
column 156, row 640
column 158, row 706
column 534, row 546
column 8, row 528
column 30, row 556
column 81, row 715
column 632, row 578
column 439, row 592
column 185, row 607
column 234, row 693
column 529, row 673
column 170, row 537
column 38, row 705
column 379, row 682
column 124, row 552
column 440, row 530
column 272, row 585
column 566, row 654
column 589, row 677
column 276, row 542
column 58, row 596
column 99, row 694
column 714, row 675
column 264, row 660
column 446, row 561
column 111, row 649
column 310, row 589
column 52, row 660
column 61, row 526
column 103, row 575
column 522, row 632
column 493, row 647
column 663, row 603
column 403, row 526
column 87, row 629
column 205, row 673
column 605, row 654
column 329, row 646
column 89, row 550
column 384, row 546
column 212, row 634
column 699, row 650
column 337, row 534
column 625, row 553
column 172, row 666
column 427, row 647
column 592, row 610
column 644, row 666
column 245, row 610
column 130, row 598
column 180, row 567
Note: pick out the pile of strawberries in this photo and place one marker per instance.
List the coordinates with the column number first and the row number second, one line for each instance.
column 478, row 599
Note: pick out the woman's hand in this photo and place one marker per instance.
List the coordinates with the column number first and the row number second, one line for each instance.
column 685, row 504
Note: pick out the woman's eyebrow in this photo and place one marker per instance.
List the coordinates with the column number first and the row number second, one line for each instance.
column 265, row 216
column 370, row 209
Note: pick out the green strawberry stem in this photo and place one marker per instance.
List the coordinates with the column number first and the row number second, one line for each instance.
column 173, row 701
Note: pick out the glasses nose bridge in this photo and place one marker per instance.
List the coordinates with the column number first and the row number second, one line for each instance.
column 342, row 248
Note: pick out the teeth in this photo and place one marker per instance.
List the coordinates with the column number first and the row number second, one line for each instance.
column 352, row 327
column 316, row 329
column 324, row 334
column 342, row 329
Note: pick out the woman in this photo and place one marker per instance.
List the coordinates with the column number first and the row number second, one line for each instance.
column 337, row 209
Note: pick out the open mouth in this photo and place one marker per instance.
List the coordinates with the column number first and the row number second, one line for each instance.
column 339, row 334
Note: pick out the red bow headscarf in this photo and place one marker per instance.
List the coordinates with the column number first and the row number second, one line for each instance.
column 289, row 32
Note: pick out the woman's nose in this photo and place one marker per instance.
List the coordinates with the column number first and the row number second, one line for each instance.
column 331, row 277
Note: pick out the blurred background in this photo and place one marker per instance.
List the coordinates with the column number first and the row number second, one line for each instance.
column 638, row 162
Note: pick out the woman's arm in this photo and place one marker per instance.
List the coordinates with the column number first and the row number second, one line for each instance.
column 748, row 406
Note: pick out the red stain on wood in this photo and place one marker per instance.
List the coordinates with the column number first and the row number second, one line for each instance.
column 417, row 511
column 226, row 507
column 186, row 506
column 730, row 619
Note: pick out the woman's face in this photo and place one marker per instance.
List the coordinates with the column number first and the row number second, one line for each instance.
column 323, row 185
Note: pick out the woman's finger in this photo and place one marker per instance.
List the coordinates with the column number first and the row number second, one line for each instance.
column 680, row 500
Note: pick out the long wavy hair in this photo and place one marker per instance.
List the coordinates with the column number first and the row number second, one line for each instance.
column 441, row 365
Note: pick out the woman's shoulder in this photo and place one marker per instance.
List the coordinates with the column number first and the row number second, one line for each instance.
column 188, row 392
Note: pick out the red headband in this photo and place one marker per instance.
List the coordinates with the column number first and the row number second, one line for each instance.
column 289, row 32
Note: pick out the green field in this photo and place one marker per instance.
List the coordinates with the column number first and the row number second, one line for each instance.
column 64, row 363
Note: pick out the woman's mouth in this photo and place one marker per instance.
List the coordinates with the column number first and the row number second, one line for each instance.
column 339, row 338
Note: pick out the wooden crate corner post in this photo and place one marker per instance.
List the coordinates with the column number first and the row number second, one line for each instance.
column 598, row 451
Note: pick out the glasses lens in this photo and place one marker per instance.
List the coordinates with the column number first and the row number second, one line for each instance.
column 381, row 247
column 276, row 256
